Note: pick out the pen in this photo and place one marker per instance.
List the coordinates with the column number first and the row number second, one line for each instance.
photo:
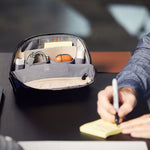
column 115, row 99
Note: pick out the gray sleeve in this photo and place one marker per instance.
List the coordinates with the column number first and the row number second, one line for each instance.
column 136, row 74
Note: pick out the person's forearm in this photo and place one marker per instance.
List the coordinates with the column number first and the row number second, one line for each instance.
column 136, row 74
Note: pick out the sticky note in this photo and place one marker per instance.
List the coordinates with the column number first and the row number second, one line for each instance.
column 57, row 44
column 100, row 128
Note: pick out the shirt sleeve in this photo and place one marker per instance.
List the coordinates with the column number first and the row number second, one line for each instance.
column 136, row 74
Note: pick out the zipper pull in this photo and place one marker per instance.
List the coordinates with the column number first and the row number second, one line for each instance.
column 84, row 76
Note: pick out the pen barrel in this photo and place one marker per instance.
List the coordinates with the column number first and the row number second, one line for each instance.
column 115, row 94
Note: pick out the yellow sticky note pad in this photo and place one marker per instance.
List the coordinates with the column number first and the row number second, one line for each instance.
column 57, row 44
column 100, row 128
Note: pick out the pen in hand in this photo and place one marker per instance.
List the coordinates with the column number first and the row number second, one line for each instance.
column 115, row 99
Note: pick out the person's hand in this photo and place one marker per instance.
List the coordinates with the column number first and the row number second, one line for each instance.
column 105, row 109
column 139, row 127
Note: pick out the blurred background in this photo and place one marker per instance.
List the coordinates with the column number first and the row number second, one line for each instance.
column 105, row 25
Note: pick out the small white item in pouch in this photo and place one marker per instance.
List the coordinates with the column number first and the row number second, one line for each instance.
column 19, row 63
column 80, row 53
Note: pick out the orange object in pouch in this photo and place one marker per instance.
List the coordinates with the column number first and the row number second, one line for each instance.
column 63, row 58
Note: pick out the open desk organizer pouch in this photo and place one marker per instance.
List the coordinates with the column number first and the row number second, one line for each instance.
column 51, row 62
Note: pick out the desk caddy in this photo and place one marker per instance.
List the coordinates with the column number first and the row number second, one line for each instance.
column 50, row 63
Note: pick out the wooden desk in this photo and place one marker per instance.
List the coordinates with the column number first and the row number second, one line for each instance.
column 110, row 62
column 58, row 121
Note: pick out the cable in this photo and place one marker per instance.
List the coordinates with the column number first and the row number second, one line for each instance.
column 34, row 57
